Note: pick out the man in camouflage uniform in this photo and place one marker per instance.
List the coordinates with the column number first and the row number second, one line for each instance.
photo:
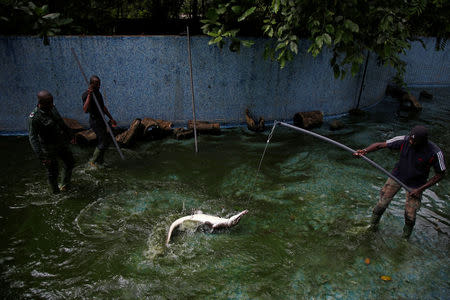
column 49, row 137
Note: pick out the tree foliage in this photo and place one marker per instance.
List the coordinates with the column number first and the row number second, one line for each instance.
column 349, row 28
column 28, row 18
column 106, row 16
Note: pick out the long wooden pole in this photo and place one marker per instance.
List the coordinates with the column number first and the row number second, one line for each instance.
column 98, row 106
column 192, row 89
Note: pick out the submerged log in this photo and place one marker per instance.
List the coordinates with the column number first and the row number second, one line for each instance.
column 336, row 125
column 425, row 95
column 129, row 137
column 308, row 119
column 395, row 92
column 85, row 137
column 205, row 127
column 73, row 124
column 251, row 124
column 156, row 129
column 183, row 134
column 409, row 102
column 165, row 125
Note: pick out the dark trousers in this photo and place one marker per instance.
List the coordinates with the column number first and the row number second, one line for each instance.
column 103, row 137
column 65, row 154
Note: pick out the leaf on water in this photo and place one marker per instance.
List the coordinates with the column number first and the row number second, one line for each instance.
column 386, row 278
column 367, row 261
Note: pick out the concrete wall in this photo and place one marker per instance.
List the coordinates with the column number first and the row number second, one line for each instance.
column 148, row 76
column 427, row 67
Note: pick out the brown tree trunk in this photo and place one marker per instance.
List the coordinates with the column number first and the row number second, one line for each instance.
column 308, row 119
column 129, row 137
column 205, row 127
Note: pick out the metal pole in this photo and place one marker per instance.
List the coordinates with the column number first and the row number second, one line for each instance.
column 98, row 107
column 363, row 79
column 192, row 89
column 348, row 149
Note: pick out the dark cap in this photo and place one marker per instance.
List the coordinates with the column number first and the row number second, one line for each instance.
column 419, row 135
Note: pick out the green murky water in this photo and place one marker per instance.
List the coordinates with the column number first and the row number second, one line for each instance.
column 303, row 237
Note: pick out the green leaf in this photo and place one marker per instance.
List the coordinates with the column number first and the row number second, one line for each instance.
column 279, row 46
column 282, row 63
column 51, row 16
column 236, row 9
column 247, row 43
column 327, row 38
column 350, row 25
column 329, row 28
column 338, row 37
column 215, row 41
column 65, row 21
column 294, row 47
column 31, row 5
column 231, row 33
column 247, row 13
column 213, row 34
column 268, row 52
column 281, row 54
column 276, row 6
column 221, row 11
column 319, row 41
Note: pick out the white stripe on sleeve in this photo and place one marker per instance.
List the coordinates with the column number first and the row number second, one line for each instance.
column 397, row 138
column 440, row 157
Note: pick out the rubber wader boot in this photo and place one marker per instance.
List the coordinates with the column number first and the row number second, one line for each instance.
column 408, row 228
column 374, row 221
column 54, row 186
column 97, row 157
column 66, row 179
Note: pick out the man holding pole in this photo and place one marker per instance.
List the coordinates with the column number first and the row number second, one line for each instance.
column 417, row 156
column 96, row 119
column 49, row 137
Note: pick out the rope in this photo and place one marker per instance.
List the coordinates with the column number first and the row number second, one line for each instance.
column 252, row 187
